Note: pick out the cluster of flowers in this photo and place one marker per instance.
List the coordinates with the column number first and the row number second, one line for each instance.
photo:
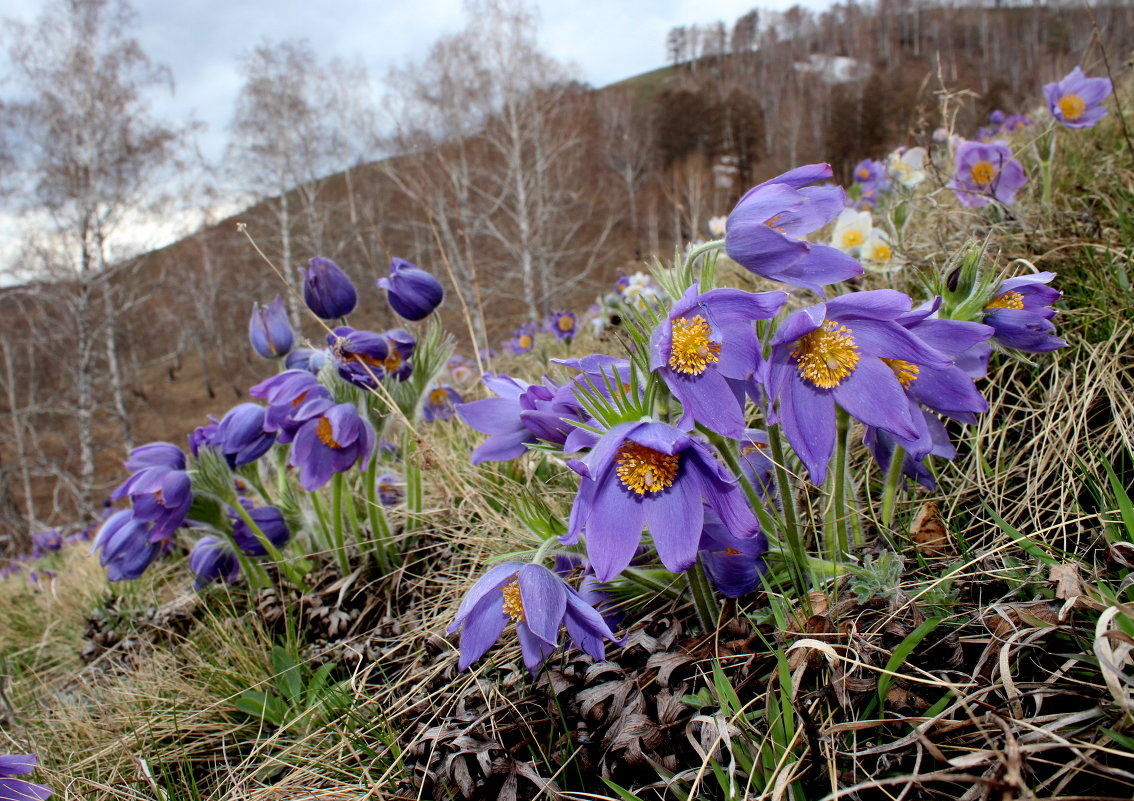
column 1002, row 124
column 895, row 368
column 562, row 324
column 308, row 406
column 44, row 544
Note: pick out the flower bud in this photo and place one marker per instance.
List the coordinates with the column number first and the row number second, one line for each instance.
column 269, row 330
column 413, row 293
column 327, row 291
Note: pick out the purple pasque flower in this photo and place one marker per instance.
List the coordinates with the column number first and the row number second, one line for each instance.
column 391, row 488
column 765, row 229
column 285, row 393
column 523, row 339
column 331, row 440
column 401, row 344
column 706, row 349
column 540, row 602
column 1076, row 101
column 155, row 454
column 561, row 323
column 849, row 352
column 128, row 546
column 360, row 356
column 269, row 330
column 213, row 559
column 306, row 359
column 519, row 415
column 870, row 171
column 50, row 540
column 204, row 437
column 241, row 437
column 440, row 403
column 412, row 292
column 13, row 789
column 651, row 472
column 986, row 172
column 733, row 564
column 327, row 291
column 882, row 445
column 160, row 495
column 268, row 519
column 1020, row 314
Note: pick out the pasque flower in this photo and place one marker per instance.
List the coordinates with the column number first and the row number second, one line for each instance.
column 412, row 292
column 540, row 602
column 13, row 789
column 850, row 352
column 986, row 172
column 733, row 564
column 359, row 356
column 401, row 345
column 653, row 473
column 306, row 359
column 869, row 171
column 128, row 546
column 1076, row 101
column 241, row 437
column 213, row 559
column 327, row 291
column 50, row 540
column 269, row 330
column 852, row 230
column 882, row 445
column 765, row 229
column 285, row 394
column 391, row 488
column 705, row 349
column 562, row 324
column 331, row 439
column 440, row 403
column 268, row 519
column 906, row 165
column 1020, row 313
column 159, row 490
column 519, row 415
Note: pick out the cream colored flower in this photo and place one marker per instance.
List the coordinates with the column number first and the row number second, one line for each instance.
column 717, row 226
column 852, row 229
column 907, row 166
column 877, row 254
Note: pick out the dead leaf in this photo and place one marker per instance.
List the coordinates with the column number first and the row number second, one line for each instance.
column 929, row 532
column 1069, row 587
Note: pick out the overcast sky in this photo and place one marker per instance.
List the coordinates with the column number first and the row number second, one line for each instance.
column 202, row 40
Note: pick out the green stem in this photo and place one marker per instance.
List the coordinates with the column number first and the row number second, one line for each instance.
column 647, row 582
column 379, row 526
column 708, row 611
column 890, row 485
column 787, row 498
column 339, row 543
column 836, row 522
column 253, row 572
column 696, row 252
column 289, row 570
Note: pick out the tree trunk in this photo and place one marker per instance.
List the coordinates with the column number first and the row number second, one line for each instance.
column 22, row 457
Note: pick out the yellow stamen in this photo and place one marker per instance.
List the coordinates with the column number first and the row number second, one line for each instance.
column 692, row 351
column 565, row 323
column 299, row 399
column 439, row 397
column 852, row 238
column 393, row 360
column 1007, row 300
column 1072, row 106
column 731, row 552
column 827, row 355
column 513, row 603
column 905, row 371
column 983, row 172
column 524, row 341
column 863, row 173
column 881, row 253
column 643, row 469
column 326, row 434
column 771, row 223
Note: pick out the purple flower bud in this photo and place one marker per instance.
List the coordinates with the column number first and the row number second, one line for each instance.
column 127, row 545
column 306, row 359
column 212, row 560
column 391, row 488
column 156, row 454
column 269, row 330
column 271, row 522
column 241, row 436
column 51, row 540
column 412, row 292
column 327, row 290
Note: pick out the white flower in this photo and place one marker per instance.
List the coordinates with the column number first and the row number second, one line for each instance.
column 907, row 166
column 852, row 229
column 877, row 255
column 717, row 226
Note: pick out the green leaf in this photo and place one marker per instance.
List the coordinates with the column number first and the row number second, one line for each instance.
column 288, row 680
column 1022, row 540
column 262, row 706
column 1125, row 505
column 625, row 795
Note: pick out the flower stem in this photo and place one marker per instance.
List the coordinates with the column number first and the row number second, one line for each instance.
column 837, row 512
column 708, row 611
column 696, row 252
column 289, row 570
column 787, row 498
column 379, row 526
column 890, row 486
column 339, row 542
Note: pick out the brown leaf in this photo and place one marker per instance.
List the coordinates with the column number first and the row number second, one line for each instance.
column 929, row 532
column 1069, row 586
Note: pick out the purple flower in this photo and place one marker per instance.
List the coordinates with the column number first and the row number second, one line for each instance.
column 870, row 171
column 882, row 446
column 271, row 523
column 360, row 356
column 765, row 229
column 331, row 440
column 51, row 540
column 562, row 324
column 241, row 437
column 327, row 291
column 733, row 564
column 213, row 559
column 706, row 348
column 390, row 487
column 1076, row 101
column 306, row 359
column 1020, row 313
column 269, row 330
column 440, row 403
column 160, row 495
column 401, row 346
column 523, row 339
column 519, row 415
column 652, row 473
column 285, row 394
column 850, row 352
column 540, row 602
column 412, row 292
column 204, row 437
column 986, row 172
column 13, row 789
column 128, row 546
column 156, row 454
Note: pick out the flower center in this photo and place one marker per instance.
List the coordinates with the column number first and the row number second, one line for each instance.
column 1072, row 106
column 643, row 469
column 393, row 360
column 827, row 355
column 983, row 172
column 1007, row 300
column 524, row 341
column 299, row 399
column 513, row 603
column 731, row 552
column 881, row 253
column 905, row 371
column 438, row 397
column 852, row 238
column 326, row 434
column 692, row 351
column 566, row 323
column 863, row 173
column 771, row 223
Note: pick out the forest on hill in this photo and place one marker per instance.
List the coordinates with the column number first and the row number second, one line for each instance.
column 522, row 189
